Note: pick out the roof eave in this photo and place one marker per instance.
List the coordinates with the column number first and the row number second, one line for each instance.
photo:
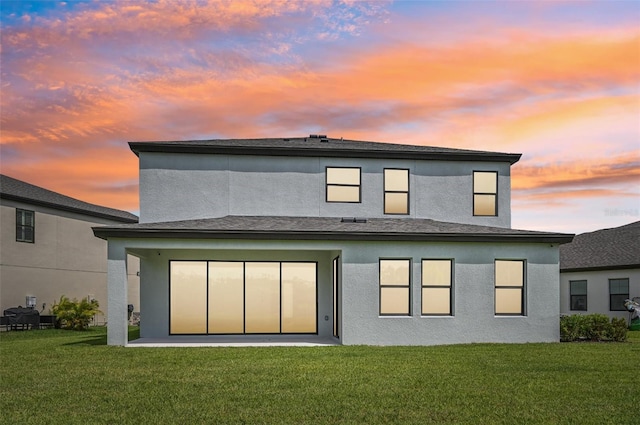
column 313, row 151
column 106, row 233
column 599, row 268
column 67, row 208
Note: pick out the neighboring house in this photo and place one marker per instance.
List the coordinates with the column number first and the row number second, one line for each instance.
column 599, row 270
column 47, row 248
column 358, row 242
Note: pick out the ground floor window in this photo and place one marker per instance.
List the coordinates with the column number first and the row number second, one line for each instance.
column 578, row 293
column 618, row 292
column 509, row 287
column 242, row 297
column 395, row 281
column 436, row 287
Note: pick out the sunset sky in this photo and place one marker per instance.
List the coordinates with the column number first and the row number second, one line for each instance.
column 558, row 81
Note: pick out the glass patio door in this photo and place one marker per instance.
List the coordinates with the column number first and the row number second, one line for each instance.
column 236, row 297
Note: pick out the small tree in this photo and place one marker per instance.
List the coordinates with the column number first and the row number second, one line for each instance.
column 74, row 314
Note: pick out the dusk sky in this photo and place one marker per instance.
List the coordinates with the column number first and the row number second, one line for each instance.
column 558, row 81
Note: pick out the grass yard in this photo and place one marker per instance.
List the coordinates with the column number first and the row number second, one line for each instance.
column 65, row 377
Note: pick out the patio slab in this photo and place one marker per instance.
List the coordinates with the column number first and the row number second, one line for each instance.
column 235, row 341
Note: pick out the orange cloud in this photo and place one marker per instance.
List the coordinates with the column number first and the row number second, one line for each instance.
column 103, row 176
column 76, row 87
column 594, row 172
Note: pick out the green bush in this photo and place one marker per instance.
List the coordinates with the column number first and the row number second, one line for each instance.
column 618, row 330
column 592, row 327
column 74, row 314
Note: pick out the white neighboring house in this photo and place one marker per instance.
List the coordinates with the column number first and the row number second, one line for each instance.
column 329, row 239
column 47, row 248
column 599, row 270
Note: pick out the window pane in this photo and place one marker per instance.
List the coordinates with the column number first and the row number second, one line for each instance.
column 343, row 176
column 28, row 218
column 436, row 301
column 188, row 304
column 508, row 301
column 578, row 287
column 396, row 203
column 262, row 297
column 394, row 301
column 343, row 193
column 617, row 302
column 619, row 286
column 299, row 297
column 394, row 272
column 484, row 204
column 579, row 302
column 396, row 180
column 509, row 273
column 436, row 272
column 226, row 297
column 484, row 182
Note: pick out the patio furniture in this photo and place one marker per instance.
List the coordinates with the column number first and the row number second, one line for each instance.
column 22, row 318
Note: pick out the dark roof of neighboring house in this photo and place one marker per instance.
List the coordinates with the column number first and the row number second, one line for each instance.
column 321, row 146
column 18, row 190
column 616, row 248
column 327, row 228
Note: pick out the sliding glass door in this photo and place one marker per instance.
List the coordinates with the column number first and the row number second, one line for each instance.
column 242, row 297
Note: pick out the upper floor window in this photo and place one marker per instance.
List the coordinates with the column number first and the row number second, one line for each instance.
column 343, row 184
column 618, row 292
column 396, row 191
column 485, row 193
column 578, row 293
column 509, row 289
column 25, row 225
column 436, row 287
column 395, row 277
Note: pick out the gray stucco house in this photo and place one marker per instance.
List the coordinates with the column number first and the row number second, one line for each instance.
column 47, row 248
column 599, row 270
column 357, row 242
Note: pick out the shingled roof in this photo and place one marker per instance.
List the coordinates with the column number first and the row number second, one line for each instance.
column 616, row 248
column 327, row 228
column 18, row 190
column 321, row 146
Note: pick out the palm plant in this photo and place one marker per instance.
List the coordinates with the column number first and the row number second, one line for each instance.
column 74, row 314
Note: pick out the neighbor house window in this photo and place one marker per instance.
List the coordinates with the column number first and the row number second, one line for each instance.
column 396, row 191
column 509, row 287
column 394, row 287
column 25, row 226
column 436, row 287
column 485, row 193
column 343, row 184
column 578, row 294
column 618, row 292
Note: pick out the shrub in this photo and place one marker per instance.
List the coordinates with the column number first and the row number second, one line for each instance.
column 74, row 314
column 596, row 327
column 592, row 327
column 618, row 331
column 571, row 327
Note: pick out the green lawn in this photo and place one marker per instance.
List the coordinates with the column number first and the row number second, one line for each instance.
column 66, row 377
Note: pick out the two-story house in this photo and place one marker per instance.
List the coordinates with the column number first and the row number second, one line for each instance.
column 357, row 242
column 47, row 248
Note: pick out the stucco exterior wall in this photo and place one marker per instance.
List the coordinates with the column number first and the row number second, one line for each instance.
column 473, row 320
column 188, row 186
column 65, row 259
column 598, row 290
